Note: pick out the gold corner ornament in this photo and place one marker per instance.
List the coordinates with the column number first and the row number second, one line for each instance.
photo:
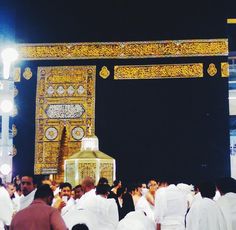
column 104, row 72
column 27, row 73
column 162, row 71
column 14, row 130
column 211, row 70
column 124, row 50
column 16, row 74
column 224, row 69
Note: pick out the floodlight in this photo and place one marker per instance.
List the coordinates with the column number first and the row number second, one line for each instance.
column 6, row 106
column 5, row 169
column 9, row 55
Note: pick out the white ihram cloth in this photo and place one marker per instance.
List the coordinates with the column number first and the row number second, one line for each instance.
column 204, row 214
column 170, row 208
column 188, row 190
column 143, row 205
column 85, row 199
column 25, row 201
column 105, row 209
column 70, row 204
column 81, row 216
column 6, row 208
column 136, row 220
column 196, row 197
column 227, row 204
column 16, row 202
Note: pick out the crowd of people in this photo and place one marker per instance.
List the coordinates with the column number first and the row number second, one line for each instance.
column 156, row 205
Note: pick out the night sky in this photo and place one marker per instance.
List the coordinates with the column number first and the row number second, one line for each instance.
column 175, row 129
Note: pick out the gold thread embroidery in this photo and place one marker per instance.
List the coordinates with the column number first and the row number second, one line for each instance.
column 104, row 72
column 122, row 50
column 194, row 70
column 211, row 70
column 27, row 73
column 224, row 69
column 16, row 74
column 65, row 104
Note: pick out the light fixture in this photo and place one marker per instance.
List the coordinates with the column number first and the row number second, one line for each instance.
column 9, row 55
column 5, row 169
column 6, row 106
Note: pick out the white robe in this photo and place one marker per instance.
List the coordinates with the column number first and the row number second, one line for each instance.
column 196, row 197
column 142, row 204
column 105, row 209
column 85, row 199
column 170, row 208
column 16, row 202
column 204, row 214
column 6, row 208
column 25, row 201
column 136, row 220
column 227, row 204
column 70, row 204
column 80, row 216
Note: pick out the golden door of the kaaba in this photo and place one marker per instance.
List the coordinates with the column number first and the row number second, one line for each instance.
column 65, row 103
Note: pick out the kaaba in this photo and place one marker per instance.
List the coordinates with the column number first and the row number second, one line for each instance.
column 159, row 114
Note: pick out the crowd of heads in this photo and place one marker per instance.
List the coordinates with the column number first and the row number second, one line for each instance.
column 47, row 189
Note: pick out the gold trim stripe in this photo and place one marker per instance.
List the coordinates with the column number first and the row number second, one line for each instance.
column 194, row 70
column 231, row 20
column 123, row 50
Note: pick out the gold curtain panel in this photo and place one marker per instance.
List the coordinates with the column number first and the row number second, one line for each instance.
column 65, row 109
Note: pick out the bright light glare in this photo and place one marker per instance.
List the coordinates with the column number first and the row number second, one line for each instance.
column 6, row 106
column 9, row 55
column 5, row 169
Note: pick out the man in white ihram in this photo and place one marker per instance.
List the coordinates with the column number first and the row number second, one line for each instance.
column 94, row 209
column 28, row 190
column 204, row 213
column 170, row 208
column 227, row 201
column 136, row 220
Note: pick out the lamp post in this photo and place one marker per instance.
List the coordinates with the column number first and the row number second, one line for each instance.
column 8, row 55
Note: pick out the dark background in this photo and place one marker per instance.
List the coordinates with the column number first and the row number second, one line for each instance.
column 176, row 128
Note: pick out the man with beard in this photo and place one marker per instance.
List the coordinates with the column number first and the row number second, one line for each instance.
column 28, row 189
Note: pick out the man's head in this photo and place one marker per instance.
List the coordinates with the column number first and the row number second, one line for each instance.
column 87, row 184
column 207, row 189
column 136, row 188
column 27, row 184
column 152, row 185
column 226, row 185
column 66, row 189
column 45, row 193
column 103, row 190
column 80, row 227
column 103, row 180
column 78, row 191
column 117, row 183
column 11, row 189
